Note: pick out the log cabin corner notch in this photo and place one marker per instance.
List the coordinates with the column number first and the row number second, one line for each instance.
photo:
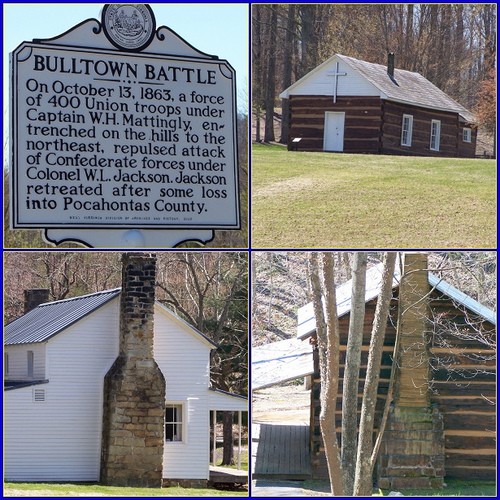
column 353, row 106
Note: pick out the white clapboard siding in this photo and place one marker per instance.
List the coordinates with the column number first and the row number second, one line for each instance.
column 18, row 361
column 183, row 357
column 60, row 438
column 320, row 82
column 221, row 401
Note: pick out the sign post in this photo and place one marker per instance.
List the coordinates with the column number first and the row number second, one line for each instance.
column 123, row 135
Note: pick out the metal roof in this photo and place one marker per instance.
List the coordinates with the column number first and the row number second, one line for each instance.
column 307, row 322
column 407, row 87
column 280, row 362
column 51, row 318
column 463, row 299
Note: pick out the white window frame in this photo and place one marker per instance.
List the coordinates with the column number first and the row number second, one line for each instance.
column 435, row 135
column 180, row 406
column 31, row 364
column 407, row 128
column 467, row 134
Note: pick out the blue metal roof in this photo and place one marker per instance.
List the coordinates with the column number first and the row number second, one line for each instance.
column 307, row 322
column 51, row 318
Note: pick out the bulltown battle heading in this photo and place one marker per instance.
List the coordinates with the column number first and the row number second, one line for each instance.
column 103, row 68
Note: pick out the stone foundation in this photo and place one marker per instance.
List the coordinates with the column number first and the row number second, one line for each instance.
column 134, row 387
column 412, row 451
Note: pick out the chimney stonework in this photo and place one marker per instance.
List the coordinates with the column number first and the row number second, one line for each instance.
column 34, row 297
column 134, row 387
column 412, row 451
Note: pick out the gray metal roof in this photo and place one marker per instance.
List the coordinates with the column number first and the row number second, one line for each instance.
column 407, row 87
column 463, row 299
column 307, row 322
column 280, row 362
column 51, row 318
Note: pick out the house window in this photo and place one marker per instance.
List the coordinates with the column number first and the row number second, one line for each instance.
column 174, row 422
column 467, row 136
column 6, row 364
column 435, row 134
column 31, row 359
column 407, row 130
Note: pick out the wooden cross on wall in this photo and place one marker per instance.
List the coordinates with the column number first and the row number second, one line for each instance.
column 336, row 75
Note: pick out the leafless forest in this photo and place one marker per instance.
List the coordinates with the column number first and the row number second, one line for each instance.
column 452, row 45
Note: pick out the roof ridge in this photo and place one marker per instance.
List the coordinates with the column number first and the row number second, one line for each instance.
column 93, row 294
column 383, row 66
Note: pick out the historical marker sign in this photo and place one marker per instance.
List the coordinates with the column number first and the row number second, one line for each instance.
column 107, row 138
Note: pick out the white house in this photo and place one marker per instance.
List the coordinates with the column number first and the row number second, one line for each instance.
column 56, row 357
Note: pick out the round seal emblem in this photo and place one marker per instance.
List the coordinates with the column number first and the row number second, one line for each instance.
column 129, row 26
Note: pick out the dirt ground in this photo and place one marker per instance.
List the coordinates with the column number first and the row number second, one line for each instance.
column 287, row 403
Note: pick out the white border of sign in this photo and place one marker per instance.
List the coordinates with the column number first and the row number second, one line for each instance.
column 135, row 233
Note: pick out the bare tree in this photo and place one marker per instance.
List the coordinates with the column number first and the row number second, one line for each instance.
column 327, row 329
column 351, row 371
column 364, row 467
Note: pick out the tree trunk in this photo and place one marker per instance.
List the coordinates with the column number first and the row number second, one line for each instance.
column 228, row 451
column 351, row 372
column 363, row 484
column 287, row 71
column 257, row 69
column 328, row 345
column 271, row 77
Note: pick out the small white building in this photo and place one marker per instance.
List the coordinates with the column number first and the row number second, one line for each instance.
column 55, row 359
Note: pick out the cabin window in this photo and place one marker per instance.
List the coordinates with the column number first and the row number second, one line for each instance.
column 31, row 360
column 467, row 136
column 406, row 130
column 174, row 422
column 435, row 135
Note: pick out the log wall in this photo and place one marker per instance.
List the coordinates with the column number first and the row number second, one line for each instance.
column 362, row 122
column 463, row 388
column 421, row 137
column 467, row 149
column 373, row 125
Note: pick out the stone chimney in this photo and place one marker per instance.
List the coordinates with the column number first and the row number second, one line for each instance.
column 390, row 65
column 34, row 297
column 134, row 387
column 412, row 453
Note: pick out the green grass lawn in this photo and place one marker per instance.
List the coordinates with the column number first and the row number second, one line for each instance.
column 328, row 200
column 75, row 490
column 455, row 488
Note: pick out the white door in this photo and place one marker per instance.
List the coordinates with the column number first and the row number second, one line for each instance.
column 334, row 131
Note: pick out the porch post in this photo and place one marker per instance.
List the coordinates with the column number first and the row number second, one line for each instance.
column 214, row 446
column 239, row 439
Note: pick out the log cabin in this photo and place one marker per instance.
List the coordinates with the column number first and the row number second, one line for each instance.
column 58, row 357
column 354, row 106
column 444, row 380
